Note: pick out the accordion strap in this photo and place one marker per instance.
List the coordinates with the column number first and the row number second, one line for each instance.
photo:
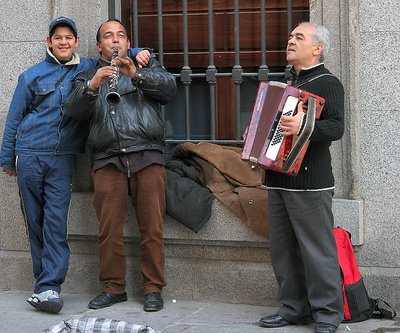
column 312, row 79
column 303, row 137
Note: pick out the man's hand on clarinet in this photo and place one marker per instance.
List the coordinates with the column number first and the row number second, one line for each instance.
column 126, row 66
column 103, row 75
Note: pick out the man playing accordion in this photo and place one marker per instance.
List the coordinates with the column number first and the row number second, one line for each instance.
column 302, row 246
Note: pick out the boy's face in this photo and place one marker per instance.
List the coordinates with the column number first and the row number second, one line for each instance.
column 63, row 43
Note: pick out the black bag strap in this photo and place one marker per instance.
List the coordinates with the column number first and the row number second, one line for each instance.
column 386, row 312
column 41, row 98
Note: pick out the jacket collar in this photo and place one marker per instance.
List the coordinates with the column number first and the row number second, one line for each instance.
column 75, row 60
column 305, row 71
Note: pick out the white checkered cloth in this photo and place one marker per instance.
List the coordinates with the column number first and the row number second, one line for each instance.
column 97, row 325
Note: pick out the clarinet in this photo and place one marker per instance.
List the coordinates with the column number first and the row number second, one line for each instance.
column 113, row 98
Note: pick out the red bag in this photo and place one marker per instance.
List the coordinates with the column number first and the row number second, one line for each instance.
column 358, row 306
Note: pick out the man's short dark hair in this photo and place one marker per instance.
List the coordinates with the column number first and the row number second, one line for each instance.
column 110, row 20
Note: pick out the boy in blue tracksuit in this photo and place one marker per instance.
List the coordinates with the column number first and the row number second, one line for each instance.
column 38, row 145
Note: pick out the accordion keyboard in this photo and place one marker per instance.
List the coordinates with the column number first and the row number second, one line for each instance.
column 277, row 139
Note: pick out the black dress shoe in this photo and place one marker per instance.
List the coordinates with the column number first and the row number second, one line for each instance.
column 106, row 299
column 273, row 321
column 325, row 328
column 153, row 302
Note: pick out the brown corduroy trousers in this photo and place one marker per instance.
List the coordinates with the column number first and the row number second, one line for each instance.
column 147, row 188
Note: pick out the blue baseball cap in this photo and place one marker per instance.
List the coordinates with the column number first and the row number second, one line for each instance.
column 63, row 20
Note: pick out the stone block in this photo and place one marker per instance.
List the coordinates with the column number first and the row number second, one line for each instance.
column 383, row 283
column 375, row 16
column 377, row 88
column 235, row 282
column 13, row 235
column 380, row 247
column 180, row 275
column 16, row 271
column 32, row 53
column 29, row 20
column 379, row 151
column 222, row 226
column 349, row 214
column 83, row 275
column 380, row 188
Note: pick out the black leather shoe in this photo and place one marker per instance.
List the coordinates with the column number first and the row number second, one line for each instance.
column 325, row 328
column 106, row 299
column 153, row 302
column 273, row 321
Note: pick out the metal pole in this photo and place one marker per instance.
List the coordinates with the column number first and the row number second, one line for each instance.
column 160, row 32
column 135, row 23
column 263, row 69
column 186, row 71
column 237, row 69
column 111, row 9
column 289, row 16
column 211, row 69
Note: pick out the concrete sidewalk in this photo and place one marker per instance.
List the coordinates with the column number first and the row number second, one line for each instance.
column 17, row 316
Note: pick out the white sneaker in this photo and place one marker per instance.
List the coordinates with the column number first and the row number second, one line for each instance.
column 47, row 301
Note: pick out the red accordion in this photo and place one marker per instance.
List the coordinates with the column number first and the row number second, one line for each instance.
column 265, row 145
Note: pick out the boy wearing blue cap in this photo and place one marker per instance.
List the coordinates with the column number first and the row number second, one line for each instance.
column 39, row 144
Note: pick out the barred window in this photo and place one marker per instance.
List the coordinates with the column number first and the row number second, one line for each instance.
column 219, row 51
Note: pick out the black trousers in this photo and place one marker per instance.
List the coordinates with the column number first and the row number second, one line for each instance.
column 304, row 256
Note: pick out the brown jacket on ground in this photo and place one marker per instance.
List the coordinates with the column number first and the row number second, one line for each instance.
column 232, row 181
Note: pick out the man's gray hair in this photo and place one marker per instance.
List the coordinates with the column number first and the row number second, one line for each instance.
column 321, row 35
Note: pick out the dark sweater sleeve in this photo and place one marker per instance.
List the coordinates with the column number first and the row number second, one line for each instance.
column 330, row 126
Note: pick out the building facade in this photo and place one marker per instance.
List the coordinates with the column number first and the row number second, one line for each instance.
column 225, row 251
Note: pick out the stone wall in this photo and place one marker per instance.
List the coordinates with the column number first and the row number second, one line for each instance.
column 379, row 150
column 225, row 256
column 23, row 44
column 368, row 172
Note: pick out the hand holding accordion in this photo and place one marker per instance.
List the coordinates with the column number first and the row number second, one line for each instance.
column 265, row 145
